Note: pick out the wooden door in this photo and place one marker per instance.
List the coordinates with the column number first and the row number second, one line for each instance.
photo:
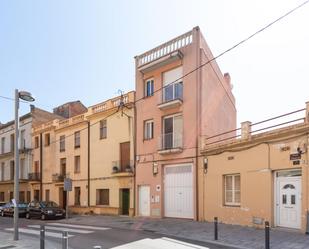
column 124, row 155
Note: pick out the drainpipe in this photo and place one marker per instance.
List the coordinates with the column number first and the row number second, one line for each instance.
column 88, row 163
column 198, row 113
column 134, row 160
column 41, row 166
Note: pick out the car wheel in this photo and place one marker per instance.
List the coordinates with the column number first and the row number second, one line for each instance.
column 43, row 217
column 27, row 216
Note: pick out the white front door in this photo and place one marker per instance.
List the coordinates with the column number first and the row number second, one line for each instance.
column 288, row 201
column 144, row 200
column 178, row 191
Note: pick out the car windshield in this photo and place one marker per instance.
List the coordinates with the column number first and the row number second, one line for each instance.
column 46, row 204
column 22, row 205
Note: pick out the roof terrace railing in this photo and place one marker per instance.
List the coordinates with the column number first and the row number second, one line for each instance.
column 165, row 49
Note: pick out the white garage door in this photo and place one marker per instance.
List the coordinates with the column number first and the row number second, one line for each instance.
column 178, row 191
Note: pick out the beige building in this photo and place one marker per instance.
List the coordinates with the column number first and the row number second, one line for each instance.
column 94, row 149
column 35, row 117
column 261, row 176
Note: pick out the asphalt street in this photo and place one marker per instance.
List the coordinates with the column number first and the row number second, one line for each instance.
column 89, row 236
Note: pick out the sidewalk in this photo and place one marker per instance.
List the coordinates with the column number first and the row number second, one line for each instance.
column 229, row 235
column 24, row 242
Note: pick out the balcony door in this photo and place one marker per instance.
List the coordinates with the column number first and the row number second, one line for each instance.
column 172, row 132
column 63, row 167
column 172, row 83
column 124, row 155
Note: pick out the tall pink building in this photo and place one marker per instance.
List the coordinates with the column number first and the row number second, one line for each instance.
column 178, row 103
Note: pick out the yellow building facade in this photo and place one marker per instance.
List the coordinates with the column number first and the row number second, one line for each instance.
column 261, row 176
column 96, row 151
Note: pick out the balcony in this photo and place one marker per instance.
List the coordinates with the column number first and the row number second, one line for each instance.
column 58, row 177
column 164, row 54
column 122, row 169
column 34, row 176
column 171, row 96
column 170, row 143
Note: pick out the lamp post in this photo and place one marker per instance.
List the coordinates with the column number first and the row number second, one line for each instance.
column 27, row 97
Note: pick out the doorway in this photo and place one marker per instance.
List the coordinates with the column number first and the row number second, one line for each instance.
column 62, row 198
column 124, row 195
column 288, row 199
column 144, row 200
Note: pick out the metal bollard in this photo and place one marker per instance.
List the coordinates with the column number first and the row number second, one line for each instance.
column 267, row 241
column 65, row 240
column 42, row 236
column 216, row 227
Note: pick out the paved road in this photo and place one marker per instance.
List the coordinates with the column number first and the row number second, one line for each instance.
column 88, row 236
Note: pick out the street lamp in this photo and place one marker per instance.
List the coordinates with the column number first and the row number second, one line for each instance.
column 26, row 96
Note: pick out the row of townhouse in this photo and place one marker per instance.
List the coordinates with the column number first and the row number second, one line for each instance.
column 168, row 149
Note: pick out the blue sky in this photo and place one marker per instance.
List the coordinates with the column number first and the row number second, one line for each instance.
column 84, row 49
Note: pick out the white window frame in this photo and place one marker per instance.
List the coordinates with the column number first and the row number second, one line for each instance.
column 148, row 129
column 174, row 133
column 151, row 80
column 233, row 202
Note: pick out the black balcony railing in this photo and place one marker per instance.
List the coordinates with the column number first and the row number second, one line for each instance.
column 58, row 177
column 34, row 176
column 119, row 166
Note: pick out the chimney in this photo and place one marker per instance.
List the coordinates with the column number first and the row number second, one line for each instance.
column 246, row 130
column 32, row 107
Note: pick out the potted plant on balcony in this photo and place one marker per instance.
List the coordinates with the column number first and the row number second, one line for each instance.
column 128, row 168
column 115, row 169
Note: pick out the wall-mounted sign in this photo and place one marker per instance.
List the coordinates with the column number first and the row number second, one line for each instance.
column 67, row 184
column 295, row 156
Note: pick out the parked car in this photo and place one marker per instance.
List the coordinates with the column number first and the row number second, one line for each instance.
column 44, row 210
column 1, row 206
column 8, row 209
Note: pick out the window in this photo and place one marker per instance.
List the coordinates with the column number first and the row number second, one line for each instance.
column 22, row 139
column 172, row 82
column 47, row 193
column 12, row 142
column 36, row 195
column 148, row 129
column 102, row 197
column 77, row 139
column 36, row 167
column 77, row 164
column 22, row 196
column 28, row 196
column 63, row 166
column 22, row 169
column 2, row 196
column 172, row 132
column 2, row 171
column 62, row 143
column 47, row 139
column 36, row 142
column 232, row 190
column 77, row 196
column 12, row 170
column 2, row 145
column 149, row 84
column 103, row 129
